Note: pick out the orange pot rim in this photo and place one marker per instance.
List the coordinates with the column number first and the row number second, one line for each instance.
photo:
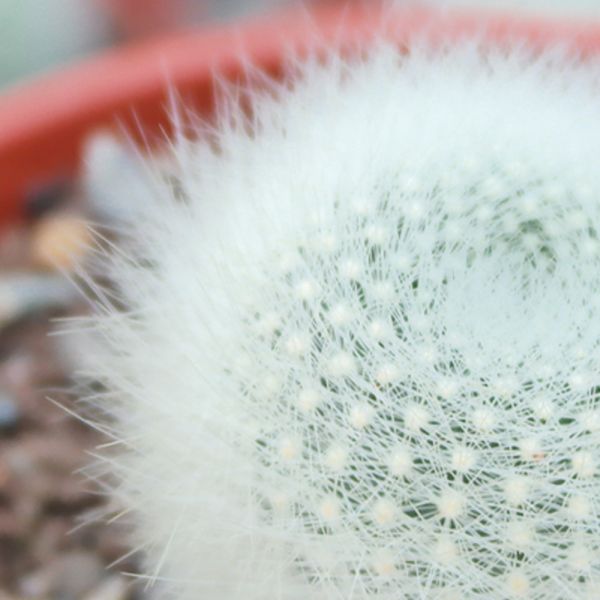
column 44, row 123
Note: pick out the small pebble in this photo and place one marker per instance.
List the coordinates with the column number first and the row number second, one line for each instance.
column 46, row 199
column 68, row 577
column 4, row 475
column 25, row 293
column 14, row 248
column 52, row 535
column 10, row 414
column 113, row 588
column 60, row 242
column 10, row 528
column 36, row 585
column 16, row 371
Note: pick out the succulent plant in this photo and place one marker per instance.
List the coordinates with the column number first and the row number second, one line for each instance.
column 359, row 354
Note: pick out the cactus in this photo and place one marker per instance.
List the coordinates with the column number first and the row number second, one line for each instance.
column 359, row 355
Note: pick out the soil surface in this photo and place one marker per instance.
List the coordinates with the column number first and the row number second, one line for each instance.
column 53, row 546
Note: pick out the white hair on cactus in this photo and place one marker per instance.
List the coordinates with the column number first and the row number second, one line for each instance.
column 360, row 356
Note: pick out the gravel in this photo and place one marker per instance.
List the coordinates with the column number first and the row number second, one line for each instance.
column 46, row 550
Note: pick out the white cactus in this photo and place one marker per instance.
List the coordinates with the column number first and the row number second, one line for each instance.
column 360, row 356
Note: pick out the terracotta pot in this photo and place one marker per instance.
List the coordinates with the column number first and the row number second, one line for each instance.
column 137, row 18
column 44, row 123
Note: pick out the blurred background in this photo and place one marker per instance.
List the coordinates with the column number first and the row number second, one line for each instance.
column 54, row 540
column 36, row 35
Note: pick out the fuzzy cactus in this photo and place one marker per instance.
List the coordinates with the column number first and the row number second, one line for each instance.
column 359, row 354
